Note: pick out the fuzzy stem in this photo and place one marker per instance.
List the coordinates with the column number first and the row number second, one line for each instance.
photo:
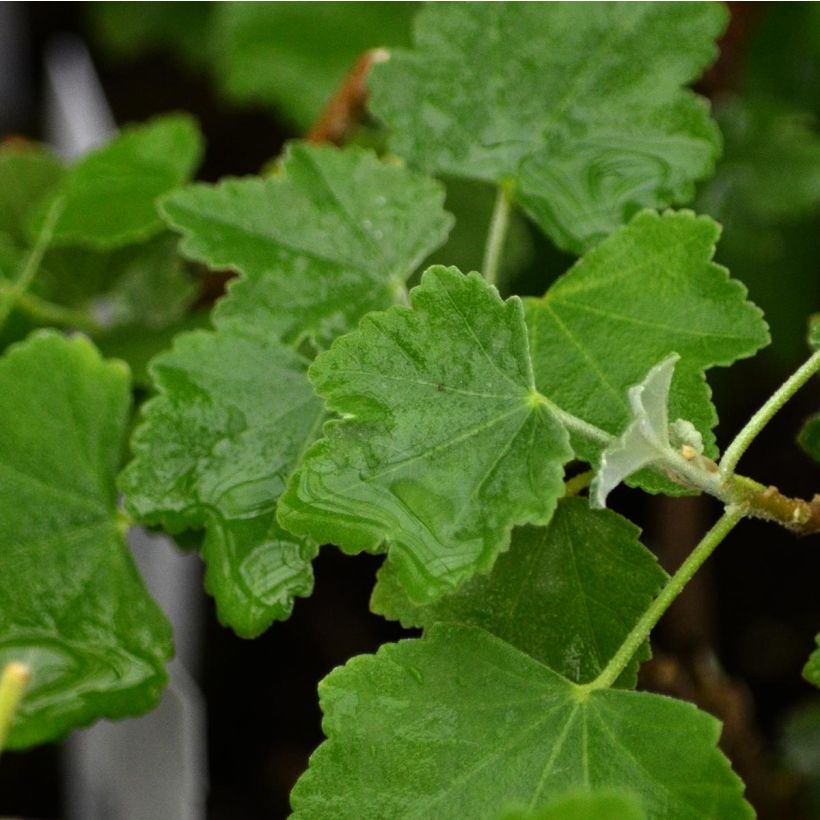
column 674, row 586
column 13, row 682
column 764, row 415
column 497, row 234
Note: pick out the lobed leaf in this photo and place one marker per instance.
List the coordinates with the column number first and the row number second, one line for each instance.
column 649, row 290
column 567, row 594
column 460, row 724
column 334, row 234
column 584, row 111
column 443, row 444
column 72, row 604
column 108, row 199
column 214, row 449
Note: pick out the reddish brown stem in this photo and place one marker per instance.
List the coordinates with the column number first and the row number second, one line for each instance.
column 345, row 108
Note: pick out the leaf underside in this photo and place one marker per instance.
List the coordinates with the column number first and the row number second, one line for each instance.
column 72, row 604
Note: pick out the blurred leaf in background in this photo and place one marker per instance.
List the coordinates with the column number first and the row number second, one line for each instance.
column 766, row 190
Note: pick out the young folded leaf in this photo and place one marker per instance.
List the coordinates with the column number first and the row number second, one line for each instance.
column 649, row 290
column 646, row 440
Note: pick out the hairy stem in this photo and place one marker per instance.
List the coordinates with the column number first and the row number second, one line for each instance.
column 674, row 587
column 32, row 265
column 497, row 234
column 13, row 682
column 764, row 415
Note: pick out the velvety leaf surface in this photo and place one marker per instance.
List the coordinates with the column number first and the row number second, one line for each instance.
column 603, row 805
column 649, row 290
column 811, row 671
column 460, row 724
column 583, row 111
column 72, row 604
column 334, row 234
column 27, row 174
column 234, row 413
column 443, row 444
column 295, row 55
column 108, row 199
column 566, row 594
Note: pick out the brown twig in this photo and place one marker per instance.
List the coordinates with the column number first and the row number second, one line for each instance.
column 345, row 108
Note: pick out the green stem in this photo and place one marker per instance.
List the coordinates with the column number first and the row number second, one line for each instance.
column 577, row 483
column 497, row 234
column 45, row 312
column 33, row 261
column 674, row 586
column 764, row 415
column 13, row 682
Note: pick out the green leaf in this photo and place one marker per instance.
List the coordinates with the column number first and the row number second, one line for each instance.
column 132, row 30
column 585, row 112
column 567, row 594
column 649, row 290
column 138, row 346
column 443, row 445
column 108, row 199
column 143, row 286
column 335, row 234
column 293, row 56
column 771, row 165
column 27, row 174
column 72, row 604
column 809, row 438
column 811, row 671
column 602, row 805
column 234, row 413
column 459, row 724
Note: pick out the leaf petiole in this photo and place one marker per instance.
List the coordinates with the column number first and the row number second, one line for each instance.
column 13, row 682
column 674, row 586
column 32, row 264
column 497, row 234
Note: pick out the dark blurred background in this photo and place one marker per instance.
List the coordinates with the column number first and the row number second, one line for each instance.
column 736, row 641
